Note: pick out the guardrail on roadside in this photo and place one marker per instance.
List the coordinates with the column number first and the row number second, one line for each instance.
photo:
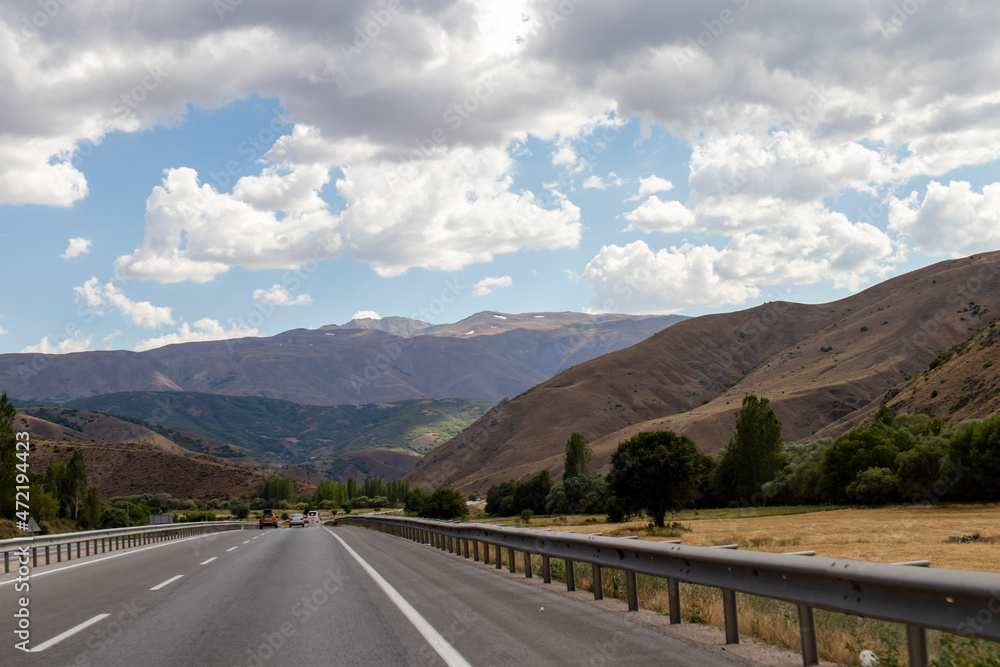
column 922, row 598
column 104, row 540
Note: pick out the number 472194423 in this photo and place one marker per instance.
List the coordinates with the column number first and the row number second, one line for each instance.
column 23, row 488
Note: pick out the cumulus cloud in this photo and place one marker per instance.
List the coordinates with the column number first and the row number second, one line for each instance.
column 488, row 284
column 205, row 329
column 855, row 100
column 3, row 331
column 449, row 210
column 596, row 182
column 366, row 315
column 77, row 342
column 653, row 184
column 141, row 313
column 820, row 246
column 277, row 295
column 952, row 218
column 660, row 216
column 77, row 246
column 195, row 233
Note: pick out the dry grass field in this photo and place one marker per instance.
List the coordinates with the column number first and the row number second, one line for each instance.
column 887, row 535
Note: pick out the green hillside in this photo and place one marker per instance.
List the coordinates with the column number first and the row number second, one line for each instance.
column 288, row 432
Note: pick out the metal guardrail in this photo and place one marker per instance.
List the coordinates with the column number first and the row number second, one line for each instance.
column 954, row 601
column 103, row 541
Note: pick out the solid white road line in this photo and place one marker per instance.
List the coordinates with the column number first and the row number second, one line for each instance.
column 208, row 561
column 69, row 633
column 166, row 583
column 447, row 652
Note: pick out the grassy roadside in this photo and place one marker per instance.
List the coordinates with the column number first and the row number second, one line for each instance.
column 891, row 534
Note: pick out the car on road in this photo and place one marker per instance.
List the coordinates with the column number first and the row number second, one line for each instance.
column 297, row 520
column 268, row 518
column 313, row 518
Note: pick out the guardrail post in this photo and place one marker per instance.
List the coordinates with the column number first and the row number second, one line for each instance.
column 632, row 591
column 475, row 549
column 465, row 548
column 47, row 554
column 729, row 610
column 674, row 600
column 58, row 553
column 499, row 558
column 34, row 557
column 807, row 636
column 527, row 565
column 511, row 562
column 6, row 562
column 916, row 645
column 570, row 575
column 598, row 583
column 546, row 570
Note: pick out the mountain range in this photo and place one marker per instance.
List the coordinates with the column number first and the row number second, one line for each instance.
column 823, row 367
column 486, row 357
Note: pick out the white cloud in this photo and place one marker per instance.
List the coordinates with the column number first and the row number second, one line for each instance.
column 652, row 184
column 3, row 331
column 816, row 246
column 596, row 182
column 195, row 233
column 449, row 210
column 278, row 295
column 488, row 284
column 205, row 329
column 77, row 246
column 660, row 216
column 78, row 342
column 110, row 338
column 38, row 170
column 141, row 313
column 952, row 219
column 366, row 315
column 852, row 102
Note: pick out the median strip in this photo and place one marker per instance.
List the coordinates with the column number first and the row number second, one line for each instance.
column 69, row 633
column 447, row 652
column 166, row 583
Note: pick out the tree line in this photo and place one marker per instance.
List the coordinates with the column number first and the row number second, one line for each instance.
column 905, row 458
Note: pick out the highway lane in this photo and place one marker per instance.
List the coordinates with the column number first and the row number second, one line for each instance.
column 300, row 597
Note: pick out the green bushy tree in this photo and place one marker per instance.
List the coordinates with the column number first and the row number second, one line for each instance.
column 657, row 471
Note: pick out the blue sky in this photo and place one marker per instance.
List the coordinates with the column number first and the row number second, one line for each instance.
column 194, row 171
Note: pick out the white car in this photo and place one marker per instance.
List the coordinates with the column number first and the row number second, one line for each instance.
column 296, row 520
column 313, row 518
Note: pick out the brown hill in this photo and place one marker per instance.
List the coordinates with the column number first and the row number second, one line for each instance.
column 816, row 363
column 122, row 469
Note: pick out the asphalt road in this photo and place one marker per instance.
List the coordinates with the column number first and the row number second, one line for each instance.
column 304, row 597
